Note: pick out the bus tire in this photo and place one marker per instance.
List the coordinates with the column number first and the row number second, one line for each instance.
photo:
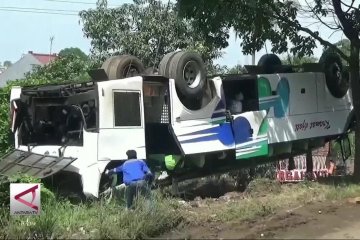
column 269, row 63
column 188, row 70
column 123, row 66
column 165, row 64
column 337, row 80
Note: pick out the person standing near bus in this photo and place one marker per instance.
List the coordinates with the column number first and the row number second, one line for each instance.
column 136, row 177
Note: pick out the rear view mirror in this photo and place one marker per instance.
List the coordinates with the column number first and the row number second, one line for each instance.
column 345, row 147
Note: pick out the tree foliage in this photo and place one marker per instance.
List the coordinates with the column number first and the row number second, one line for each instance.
column 65, row 69
column 254, row 22
column 296, row 60
column 147, row 29
column 343, row 45
column 217, row 69
column 278, row 21
column 237, row 69
column 70, row 68
column 73, row 51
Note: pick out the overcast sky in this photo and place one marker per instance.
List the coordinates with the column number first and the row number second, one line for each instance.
column 22, row 30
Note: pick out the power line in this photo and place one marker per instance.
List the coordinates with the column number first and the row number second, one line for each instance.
column 41, row 9
column 67, row 1
column 49, row 10
column 78, row 2
column 44, row 12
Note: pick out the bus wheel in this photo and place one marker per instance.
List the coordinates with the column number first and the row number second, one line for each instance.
column 269, row 63
column 123, row 66
column 165, row 64
column 337, row 80
column 188, row 70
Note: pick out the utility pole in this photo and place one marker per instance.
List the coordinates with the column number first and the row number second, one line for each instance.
column 51, row 44
column 253, row 58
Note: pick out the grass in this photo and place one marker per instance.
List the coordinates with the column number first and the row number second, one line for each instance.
column 257, row 204
column 266, row 197
column 96, row 220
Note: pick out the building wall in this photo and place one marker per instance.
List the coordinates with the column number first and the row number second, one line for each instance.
column 18, row 69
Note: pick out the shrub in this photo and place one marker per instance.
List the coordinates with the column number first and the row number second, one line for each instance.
column 61, row 219
column 46, row 194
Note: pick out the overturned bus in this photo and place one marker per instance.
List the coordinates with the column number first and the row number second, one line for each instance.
column 208, row 124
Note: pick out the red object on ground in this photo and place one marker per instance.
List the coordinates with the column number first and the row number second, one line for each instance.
column 320, row 160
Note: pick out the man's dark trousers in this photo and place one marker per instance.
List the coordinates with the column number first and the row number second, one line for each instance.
column 135, row 188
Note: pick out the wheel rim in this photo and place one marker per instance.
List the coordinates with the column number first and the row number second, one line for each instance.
column 192, row 74
column 130, row 71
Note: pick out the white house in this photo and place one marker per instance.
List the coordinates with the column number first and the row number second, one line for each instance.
column 26, row 64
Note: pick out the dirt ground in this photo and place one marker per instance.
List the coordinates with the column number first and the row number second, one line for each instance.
column 320, row 221
column 316, row 220
column 336, row 220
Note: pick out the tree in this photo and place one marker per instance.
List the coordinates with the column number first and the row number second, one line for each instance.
column 217, row 69
column 237, row 69
column 7, row 63
column 278, row 21
column 68, row 69
column 73, row 51
column 343, row 45
column 147, row 29
column 295, row 60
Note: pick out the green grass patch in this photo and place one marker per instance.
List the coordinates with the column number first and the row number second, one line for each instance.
column 96, row 220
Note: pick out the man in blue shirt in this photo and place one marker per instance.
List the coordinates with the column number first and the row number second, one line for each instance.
column 136, row 175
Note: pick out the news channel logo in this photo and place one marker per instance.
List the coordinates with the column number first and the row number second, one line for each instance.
column 25, row 199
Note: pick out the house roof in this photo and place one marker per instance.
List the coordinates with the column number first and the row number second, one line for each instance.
column 24, row 65
column 43, row 58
